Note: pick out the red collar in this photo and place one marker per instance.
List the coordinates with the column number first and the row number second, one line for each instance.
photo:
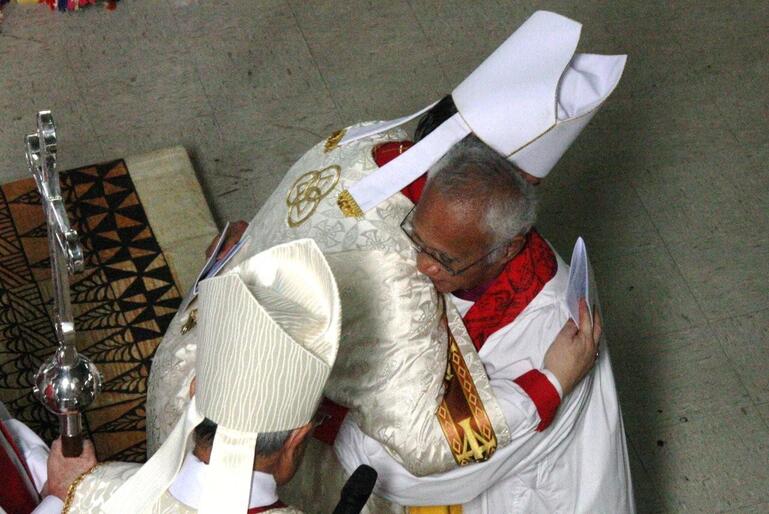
column 511, row 292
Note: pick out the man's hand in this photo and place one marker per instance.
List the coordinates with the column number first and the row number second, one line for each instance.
column 575, row 350
column 62, row 471
column 237, row 228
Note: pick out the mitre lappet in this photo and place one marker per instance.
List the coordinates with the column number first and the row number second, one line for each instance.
column 529, row 100
column 269, row 338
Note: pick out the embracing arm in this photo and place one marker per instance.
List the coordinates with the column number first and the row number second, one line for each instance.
column 569, row 359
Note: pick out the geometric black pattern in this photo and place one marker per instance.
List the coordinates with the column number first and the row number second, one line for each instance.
column 123, row 302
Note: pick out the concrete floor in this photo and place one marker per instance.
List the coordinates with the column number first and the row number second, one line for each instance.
column 669, row 184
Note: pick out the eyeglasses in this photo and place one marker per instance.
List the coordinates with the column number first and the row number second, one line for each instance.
column 444, row 260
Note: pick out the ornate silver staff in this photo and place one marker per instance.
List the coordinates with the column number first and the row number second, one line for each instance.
column 67, row 382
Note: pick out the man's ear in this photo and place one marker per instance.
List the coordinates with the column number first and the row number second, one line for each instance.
column 515, row 246
column 193, row 384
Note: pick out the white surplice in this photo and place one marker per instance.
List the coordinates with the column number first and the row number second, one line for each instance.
column 182, row 497
column 578, row 464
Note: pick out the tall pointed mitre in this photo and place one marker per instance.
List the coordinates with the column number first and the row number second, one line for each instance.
column 269, row 337
column 528, row 101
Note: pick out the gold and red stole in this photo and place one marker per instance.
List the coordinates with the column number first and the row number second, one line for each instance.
column 463, row 418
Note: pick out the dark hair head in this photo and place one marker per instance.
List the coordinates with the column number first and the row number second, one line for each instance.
column 267, row 443
column 439, row 113
column 205, row 432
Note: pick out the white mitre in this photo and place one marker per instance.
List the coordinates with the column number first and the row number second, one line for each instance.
column 528, row 100
column 270, row 334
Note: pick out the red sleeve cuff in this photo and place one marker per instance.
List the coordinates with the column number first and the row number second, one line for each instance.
column 542, row 393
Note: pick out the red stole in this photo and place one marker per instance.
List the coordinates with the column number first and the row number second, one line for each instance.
column 15, row 495
column 521, row 281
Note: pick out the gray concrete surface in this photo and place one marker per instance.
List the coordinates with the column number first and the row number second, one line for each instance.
column 669, row 184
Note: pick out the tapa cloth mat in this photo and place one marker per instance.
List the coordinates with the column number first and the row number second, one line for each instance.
column 140, row 244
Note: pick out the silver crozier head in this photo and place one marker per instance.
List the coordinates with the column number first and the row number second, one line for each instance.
column 64, row 387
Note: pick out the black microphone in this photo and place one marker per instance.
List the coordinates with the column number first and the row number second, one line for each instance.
column 356, row 490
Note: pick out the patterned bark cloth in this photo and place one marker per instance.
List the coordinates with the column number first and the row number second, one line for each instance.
column 123, row 302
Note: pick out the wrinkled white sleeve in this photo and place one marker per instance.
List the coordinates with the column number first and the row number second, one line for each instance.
column 33, row 450
column 49, row 505
column 459, row 485
column 527, row 446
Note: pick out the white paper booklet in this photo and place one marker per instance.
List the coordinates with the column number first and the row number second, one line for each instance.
column 579, row 281
column 214, row 264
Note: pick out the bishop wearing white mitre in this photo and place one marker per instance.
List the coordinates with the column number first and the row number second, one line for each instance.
column 269, row 333
column 511, row 440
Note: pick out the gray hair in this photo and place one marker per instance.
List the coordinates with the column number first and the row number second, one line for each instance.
column 271, row 442
column 473, row 171
column 268, row 443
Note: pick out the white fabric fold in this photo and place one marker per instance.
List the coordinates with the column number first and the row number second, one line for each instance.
column 400, row 172
column 585, row 85
column 528, row 100
column 144, row 488
column 510, row 99
column 228, row 476
column 359, row 132
column 188, row 485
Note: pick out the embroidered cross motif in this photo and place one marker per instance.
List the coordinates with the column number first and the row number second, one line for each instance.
column 475, row 447
column 308, row 191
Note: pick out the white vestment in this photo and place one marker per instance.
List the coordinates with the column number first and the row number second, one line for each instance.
column 578, row 464
column 182, row 497
column 392, row 389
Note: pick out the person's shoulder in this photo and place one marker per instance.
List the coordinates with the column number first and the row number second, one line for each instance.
column 366, row 134
column 115, row 470
column 92, row 490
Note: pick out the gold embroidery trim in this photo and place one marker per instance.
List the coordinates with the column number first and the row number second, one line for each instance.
column 471, row 438
column 308, row 191
column 348, row 205
column 436, row 509
column 190, row 322
column 333, row 140
column 73, row 488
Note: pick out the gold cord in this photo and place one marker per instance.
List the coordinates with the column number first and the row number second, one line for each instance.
column 72, row 488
